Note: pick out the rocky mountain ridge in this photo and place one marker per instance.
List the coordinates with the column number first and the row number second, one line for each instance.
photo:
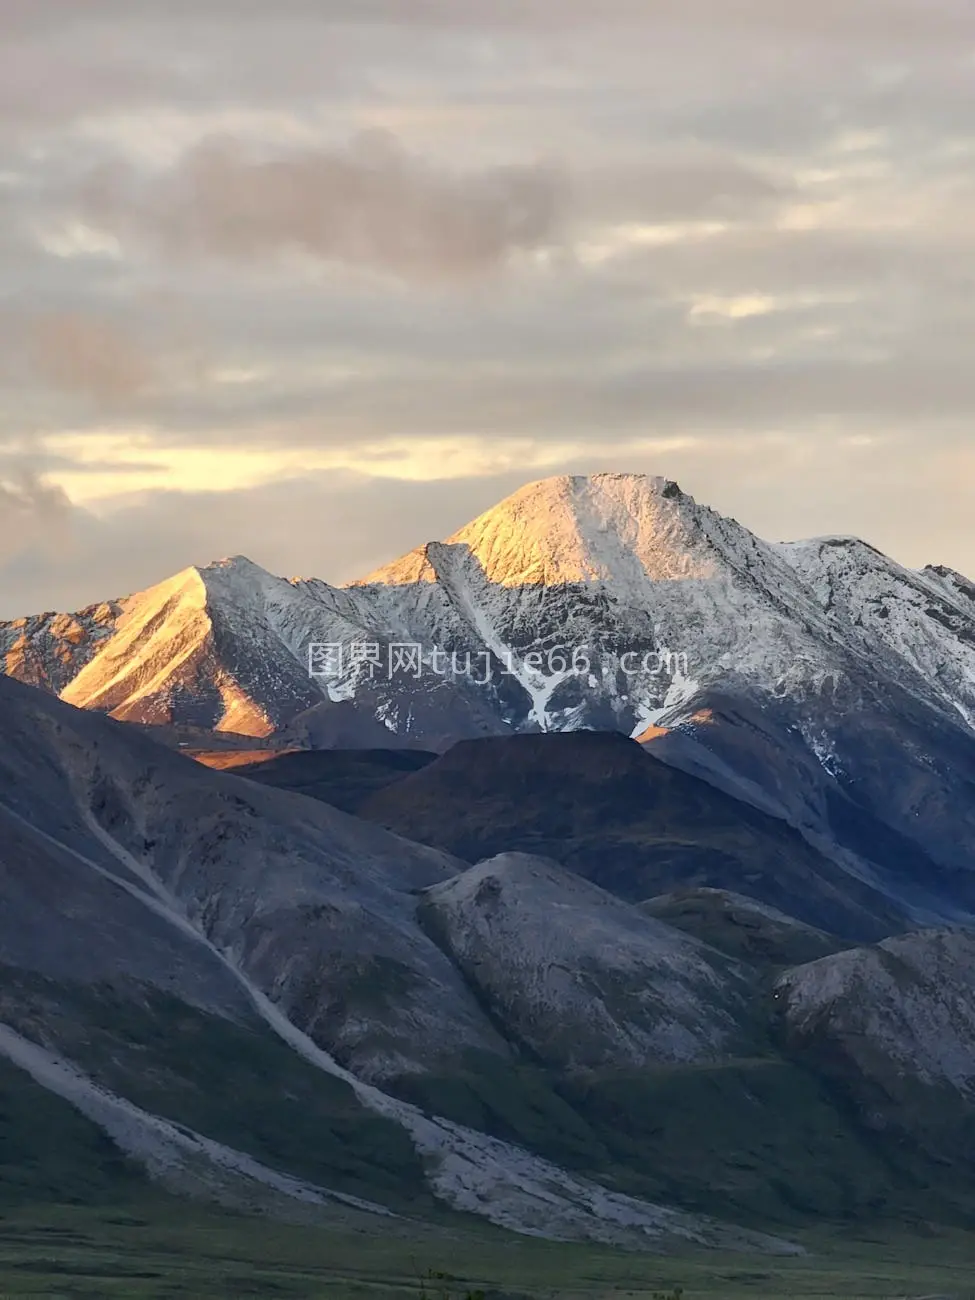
column 609, row 566
column 819, row 681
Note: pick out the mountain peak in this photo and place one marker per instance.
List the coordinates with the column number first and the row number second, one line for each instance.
column 240, row 563
column 572, row 529
column 606, row 482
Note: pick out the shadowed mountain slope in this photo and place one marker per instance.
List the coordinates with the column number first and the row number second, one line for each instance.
column 598, row 804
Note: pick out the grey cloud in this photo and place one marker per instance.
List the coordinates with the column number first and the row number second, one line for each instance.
column 55, row 71
column 680, row 184
column 34, row 514
column 91, row 357
column 659, row 113
column 595, row 404
column 370, row 205
column 636, row 398
column 87, row 356
column 592, row 353
column 708, row 64
column 879, row 20
column 45, row 463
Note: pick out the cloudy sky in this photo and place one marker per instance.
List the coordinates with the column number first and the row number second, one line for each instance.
column 316, row 280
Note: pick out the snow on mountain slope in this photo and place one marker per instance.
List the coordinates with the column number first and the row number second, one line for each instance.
column 612, row 527
column 222, row 646
column 604, row 567
column 926, row 618
column 49, row 650
column 158, row 642
column 618, row 563
column 635, row 535
column 956, row 583
column 168, row 660
column 226, row 647
column 608, row 601
column 616, row 600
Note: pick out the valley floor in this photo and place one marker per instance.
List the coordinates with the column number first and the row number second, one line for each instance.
column 164, row 1248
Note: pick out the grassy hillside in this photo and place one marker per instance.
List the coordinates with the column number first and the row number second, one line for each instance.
column 761, row 1142
column 741, row 928
column 238, row 1084
column 78, row 1220
column 49, row 1152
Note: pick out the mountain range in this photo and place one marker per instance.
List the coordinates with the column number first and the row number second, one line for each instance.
column 603, row 871
column 820, row 682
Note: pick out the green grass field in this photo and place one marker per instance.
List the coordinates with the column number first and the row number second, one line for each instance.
column 159, row 1247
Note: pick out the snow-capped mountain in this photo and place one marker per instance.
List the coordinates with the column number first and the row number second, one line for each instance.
column 579, row 599
column 819, row 680
column 926, row 618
